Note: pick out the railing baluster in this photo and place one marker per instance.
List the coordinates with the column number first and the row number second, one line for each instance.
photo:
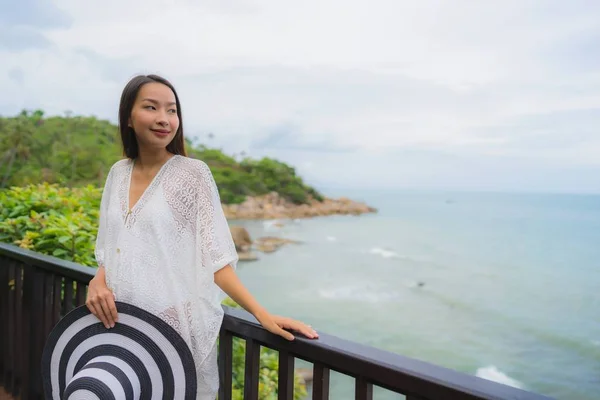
column 68, row 306
column 18, row 339
column 48, row 282
column 251, row 370
column 56, row 301
column 11, row 338
column 6, row 316
column 33, row 298
column 81, row 294
column 285, row 384
column 225, row 364
column 363, row 389
column 320, row 382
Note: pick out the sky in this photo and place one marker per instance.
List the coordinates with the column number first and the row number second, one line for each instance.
column 379, row 94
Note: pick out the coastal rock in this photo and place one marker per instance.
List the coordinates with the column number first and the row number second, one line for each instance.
column 241, row 238
column 269, row 244
column 244, row 243
column 273, row 206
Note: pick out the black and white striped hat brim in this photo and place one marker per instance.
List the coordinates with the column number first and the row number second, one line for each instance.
column 142, row 357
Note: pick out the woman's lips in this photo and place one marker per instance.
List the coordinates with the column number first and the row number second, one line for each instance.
column 161, row 132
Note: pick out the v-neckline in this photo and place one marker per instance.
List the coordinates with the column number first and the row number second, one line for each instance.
column 151, row 184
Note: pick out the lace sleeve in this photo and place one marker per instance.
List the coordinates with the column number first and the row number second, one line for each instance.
column 101, row 235
column 215, row 240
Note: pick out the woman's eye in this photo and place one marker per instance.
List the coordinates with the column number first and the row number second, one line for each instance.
column 173, row 111
column 149, row 107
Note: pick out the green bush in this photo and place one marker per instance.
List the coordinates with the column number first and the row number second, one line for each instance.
column 52, row 220
column 63, row 222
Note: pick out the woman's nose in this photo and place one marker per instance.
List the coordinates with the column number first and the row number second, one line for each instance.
column 162, row 119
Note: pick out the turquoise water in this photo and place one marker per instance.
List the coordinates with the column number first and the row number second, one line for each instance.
column 511, row 284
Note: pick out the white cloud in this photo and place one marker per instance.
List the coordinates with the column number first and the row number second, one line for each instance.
column 478, row 80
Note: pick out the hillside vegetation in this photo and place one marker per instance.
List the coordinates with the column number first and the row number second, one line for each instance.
column 76, row 151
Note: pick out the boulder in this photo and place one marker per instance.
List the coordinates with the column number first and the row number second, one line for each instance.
column 241, row 238
column 269, row 244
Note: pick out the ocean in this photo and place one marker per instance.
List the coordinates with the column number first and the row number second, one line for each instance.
column 510, row 284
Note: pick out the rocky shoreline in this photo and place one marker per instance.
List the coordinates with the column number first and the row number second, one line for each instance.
column 273, row 206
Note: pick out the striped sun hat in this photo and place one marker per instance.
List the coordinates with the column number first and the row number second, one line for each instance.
column 142, row 357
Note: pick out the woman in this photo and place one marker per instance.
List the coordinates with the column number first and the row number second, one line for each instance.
column 163, row 241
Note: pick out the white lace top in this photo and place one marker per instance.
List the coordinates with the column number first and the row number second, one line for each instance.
column 162, row 254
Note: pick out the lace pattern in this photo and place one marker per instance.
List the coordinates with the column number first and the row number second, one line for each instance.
column 162, row 254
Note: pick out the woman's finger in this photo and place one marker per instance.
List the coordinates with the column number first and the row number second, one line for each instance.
column 100, row 312
column 281, row 332
column 274, row 327
column 91, row 307
column 304, row 329
column 107, row 312
column 112, row 308
column 309, row 332
column 287, row 335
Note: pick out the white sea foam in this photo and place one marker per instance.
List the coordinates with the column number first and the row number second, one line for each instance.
column 331, row 238
column 383, row 252
column 356, row 293
column 492, row 373
column 271, row 223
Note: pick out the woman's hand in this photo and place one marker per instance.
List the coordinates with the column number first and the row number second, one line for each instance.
column 101, row 301
column 276, row 324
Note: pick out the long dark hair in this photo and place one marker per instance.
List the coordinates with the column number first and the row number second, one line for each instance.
column 130, row 145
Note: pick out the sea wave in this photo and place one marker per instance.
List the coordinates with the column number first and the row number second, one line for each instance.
column 357, row 293
column 272, row 224
column 385, row 253
column 492, row 373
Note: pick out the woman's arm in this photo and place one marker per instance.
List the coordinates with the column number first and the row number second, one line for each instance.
column 228, row 281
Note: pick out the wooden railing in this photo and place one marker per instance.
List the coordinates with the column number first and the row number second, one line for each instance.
column 36, row 290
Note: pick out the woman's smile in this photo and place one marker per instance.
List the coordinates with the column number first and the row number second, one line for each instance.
column 161, row 132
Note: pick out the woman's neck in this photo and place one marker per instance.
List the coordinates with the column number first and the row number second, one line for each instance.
column 149, row 160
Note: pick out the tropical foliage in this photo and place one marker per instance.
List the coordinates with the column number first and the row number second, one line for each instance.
column 52, row 220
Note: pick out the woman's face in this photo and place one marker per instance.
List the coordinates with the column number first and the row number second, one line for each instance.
column 154, row 116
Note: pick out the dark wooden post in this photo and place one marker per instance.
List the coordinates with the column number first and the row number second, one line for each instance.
column 33, row 303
